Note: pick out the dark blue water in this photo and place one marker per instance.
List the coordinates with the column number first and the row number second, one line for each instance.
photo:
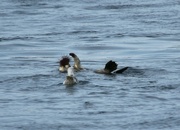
column 141, row 34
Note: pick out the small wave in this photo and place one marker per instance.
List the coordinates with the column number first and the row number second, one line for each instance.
column 49, row 34
column 135, row 72
column 27, row 3
column 157, row 122
column 109, row 7
column 83, row 82
column 15, row 79
column 22, row 12
column 3, row 14
column 119, row 6
column 156, row 98
column 97, row 113
column 5, row 100
column 14, row 38
column 82, row 32
column 168, row 87
column 99, row 93
column 91, row 38
column 118, row 35
column 157, row 87
column 99, row 47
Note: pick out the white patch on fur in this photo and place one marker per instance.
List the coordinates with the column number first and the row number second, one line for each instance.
column 70, row 71
column 70, row 78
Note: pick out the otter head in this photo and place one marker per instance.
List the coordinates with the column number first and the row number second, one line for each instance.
column 72, row 54
column 111, row 66
column 64, row 61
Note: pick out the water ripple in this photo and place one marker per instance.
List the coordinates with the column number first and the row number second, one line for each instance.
column 15, row 38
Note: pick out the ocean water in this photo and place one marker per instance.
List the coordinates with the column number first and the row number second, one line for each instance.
column 141, row 34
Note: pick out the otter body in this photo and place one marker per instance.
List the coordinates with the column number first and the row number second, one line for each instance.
column 70, row 78
column 77, row 62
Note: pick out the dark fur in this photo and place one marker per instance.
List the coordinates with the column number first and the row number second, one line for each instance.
column 72, row 54
column 121, row 70
column 64, row 61
column 111, row 66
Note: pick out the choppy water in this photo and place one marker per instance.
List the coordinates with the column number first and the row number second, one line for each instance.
column 141, row 34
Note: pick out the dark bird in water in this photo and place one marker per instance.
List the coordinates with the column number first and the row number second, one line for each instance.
column 110, row 68
column 64, row 64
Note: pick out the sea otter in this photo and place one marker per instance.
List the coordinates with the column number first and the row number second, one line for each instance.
column 77, row 62
column 70, row 78
column 64, row 64
column 111, row 68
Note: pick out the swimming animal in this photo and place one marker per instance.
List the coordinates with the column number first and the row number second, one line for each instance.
column 70, row 78
column 64, row 64
column 77, row 62
column 110, row 68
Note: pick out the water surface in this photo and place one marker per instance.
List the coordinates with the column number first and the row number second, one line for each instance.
column 143, row 35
